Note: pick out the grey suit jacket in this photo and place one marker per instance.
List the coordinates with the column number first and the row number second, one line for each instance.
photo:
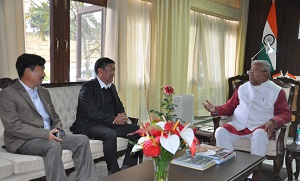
column 20, row 117
column 90, row 107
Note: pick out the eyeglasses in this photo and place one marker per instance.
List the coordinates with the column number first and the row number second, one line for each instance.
column 110, row 70
column 255, row 71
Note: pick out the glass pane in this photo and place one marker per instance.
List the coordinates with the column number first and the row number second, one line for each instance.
column 85, row 39
column 37, row 27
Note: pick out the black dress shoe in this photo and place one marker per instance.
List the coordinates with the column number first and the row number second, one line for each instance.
column 112, row 172
column 125, row 167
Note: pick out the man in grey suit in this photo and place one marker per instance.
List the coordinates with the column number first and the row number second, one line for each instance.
column 32, row 127
column 101, row 115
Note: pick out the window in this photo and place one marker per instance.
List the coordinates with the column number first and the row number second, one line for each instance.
column 85, row 39
column 37, row 30
column 68, row 34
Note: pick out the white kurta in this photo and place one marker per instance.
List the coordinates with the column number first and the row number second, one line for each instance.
column 254, row 111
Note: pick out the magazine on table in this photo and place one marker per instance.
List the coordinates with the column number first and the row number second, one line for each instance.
column 197, row 162
column 220, row 155
column 225, row 158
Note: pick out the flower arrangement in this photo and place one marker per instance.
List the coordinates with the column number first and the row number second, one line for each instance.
column 161, row 139
column 167, row 104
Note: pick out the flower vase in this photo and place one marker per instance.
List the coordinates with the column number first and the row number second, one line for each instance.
column 161, row 170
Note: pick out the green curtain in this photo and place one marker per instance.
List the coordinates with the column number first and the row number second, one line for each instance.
column 169, row 48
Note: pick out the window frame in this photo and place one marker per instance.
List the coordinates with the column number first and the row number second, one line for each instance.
column 60, row 38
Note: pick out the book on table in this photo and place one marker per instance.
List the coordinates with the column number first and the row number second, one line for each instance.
column 197, row 162
column 220, row 155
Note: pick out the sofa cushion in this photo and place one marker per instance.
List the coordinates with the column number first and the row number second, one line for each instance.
column 66, row 156
column 23, row 163
column 65, row 100
column 6, row 168
column 96, row 148
column 30, row 163
column 243, row 144
column 25, row 176
column 121, row 143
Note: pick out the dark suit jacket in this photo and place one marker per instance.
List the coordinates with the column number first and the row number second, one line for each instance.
column 91, row 105
column 20, row 117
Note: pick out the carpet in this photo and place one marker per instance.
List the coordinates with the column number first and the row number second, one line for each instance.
column 267, row 173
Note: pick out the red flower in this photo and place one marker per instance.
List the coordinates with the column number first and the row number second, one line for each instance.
column 142, row 131
column 150, row 148
column 193, row 146
column 154, row 130
column 169, row 126
column 168, row 90
column 195, row 130
column 157, row 140
column 180, row 126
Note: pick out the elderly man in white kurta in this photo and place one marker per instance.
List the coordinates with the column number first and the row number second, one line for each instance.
column 257, row 107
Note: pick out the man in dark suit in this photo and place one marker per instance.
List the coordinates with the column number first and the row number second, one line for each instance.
column 101, row 115
column 30, row 122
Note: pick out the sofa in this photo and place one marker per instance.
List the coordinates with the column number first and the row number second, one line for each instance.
column 17, row 167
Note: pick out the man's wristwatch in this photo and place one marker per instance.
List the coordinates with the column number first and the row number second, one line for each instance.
column 216, row 111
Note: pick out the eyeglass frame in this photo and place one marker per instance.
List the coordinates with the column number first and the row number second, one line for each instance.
column 256, row 71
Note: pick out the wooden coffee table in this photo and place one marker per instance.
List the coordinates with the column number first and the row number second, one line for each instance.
column 237, row 168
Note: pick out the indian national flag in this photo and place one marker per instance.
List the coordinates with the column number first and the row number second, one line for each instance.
column 270, row 35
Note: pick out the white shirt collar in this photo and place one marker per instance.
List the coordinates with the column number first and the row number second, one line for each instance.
column 27, row 88
column 102, row 84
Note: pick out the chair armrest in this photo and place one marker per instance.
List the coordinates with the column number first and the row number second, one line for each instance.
column 282, row 138
column 133, row 120
column 140, row 154
column 216, row 121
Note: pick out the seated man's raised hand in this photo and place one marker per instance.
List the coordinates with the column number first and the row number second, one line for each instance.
column 209, row 106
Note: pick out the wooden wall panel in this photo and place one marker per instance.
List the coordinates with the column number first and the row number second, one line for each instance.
column 288, row 44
